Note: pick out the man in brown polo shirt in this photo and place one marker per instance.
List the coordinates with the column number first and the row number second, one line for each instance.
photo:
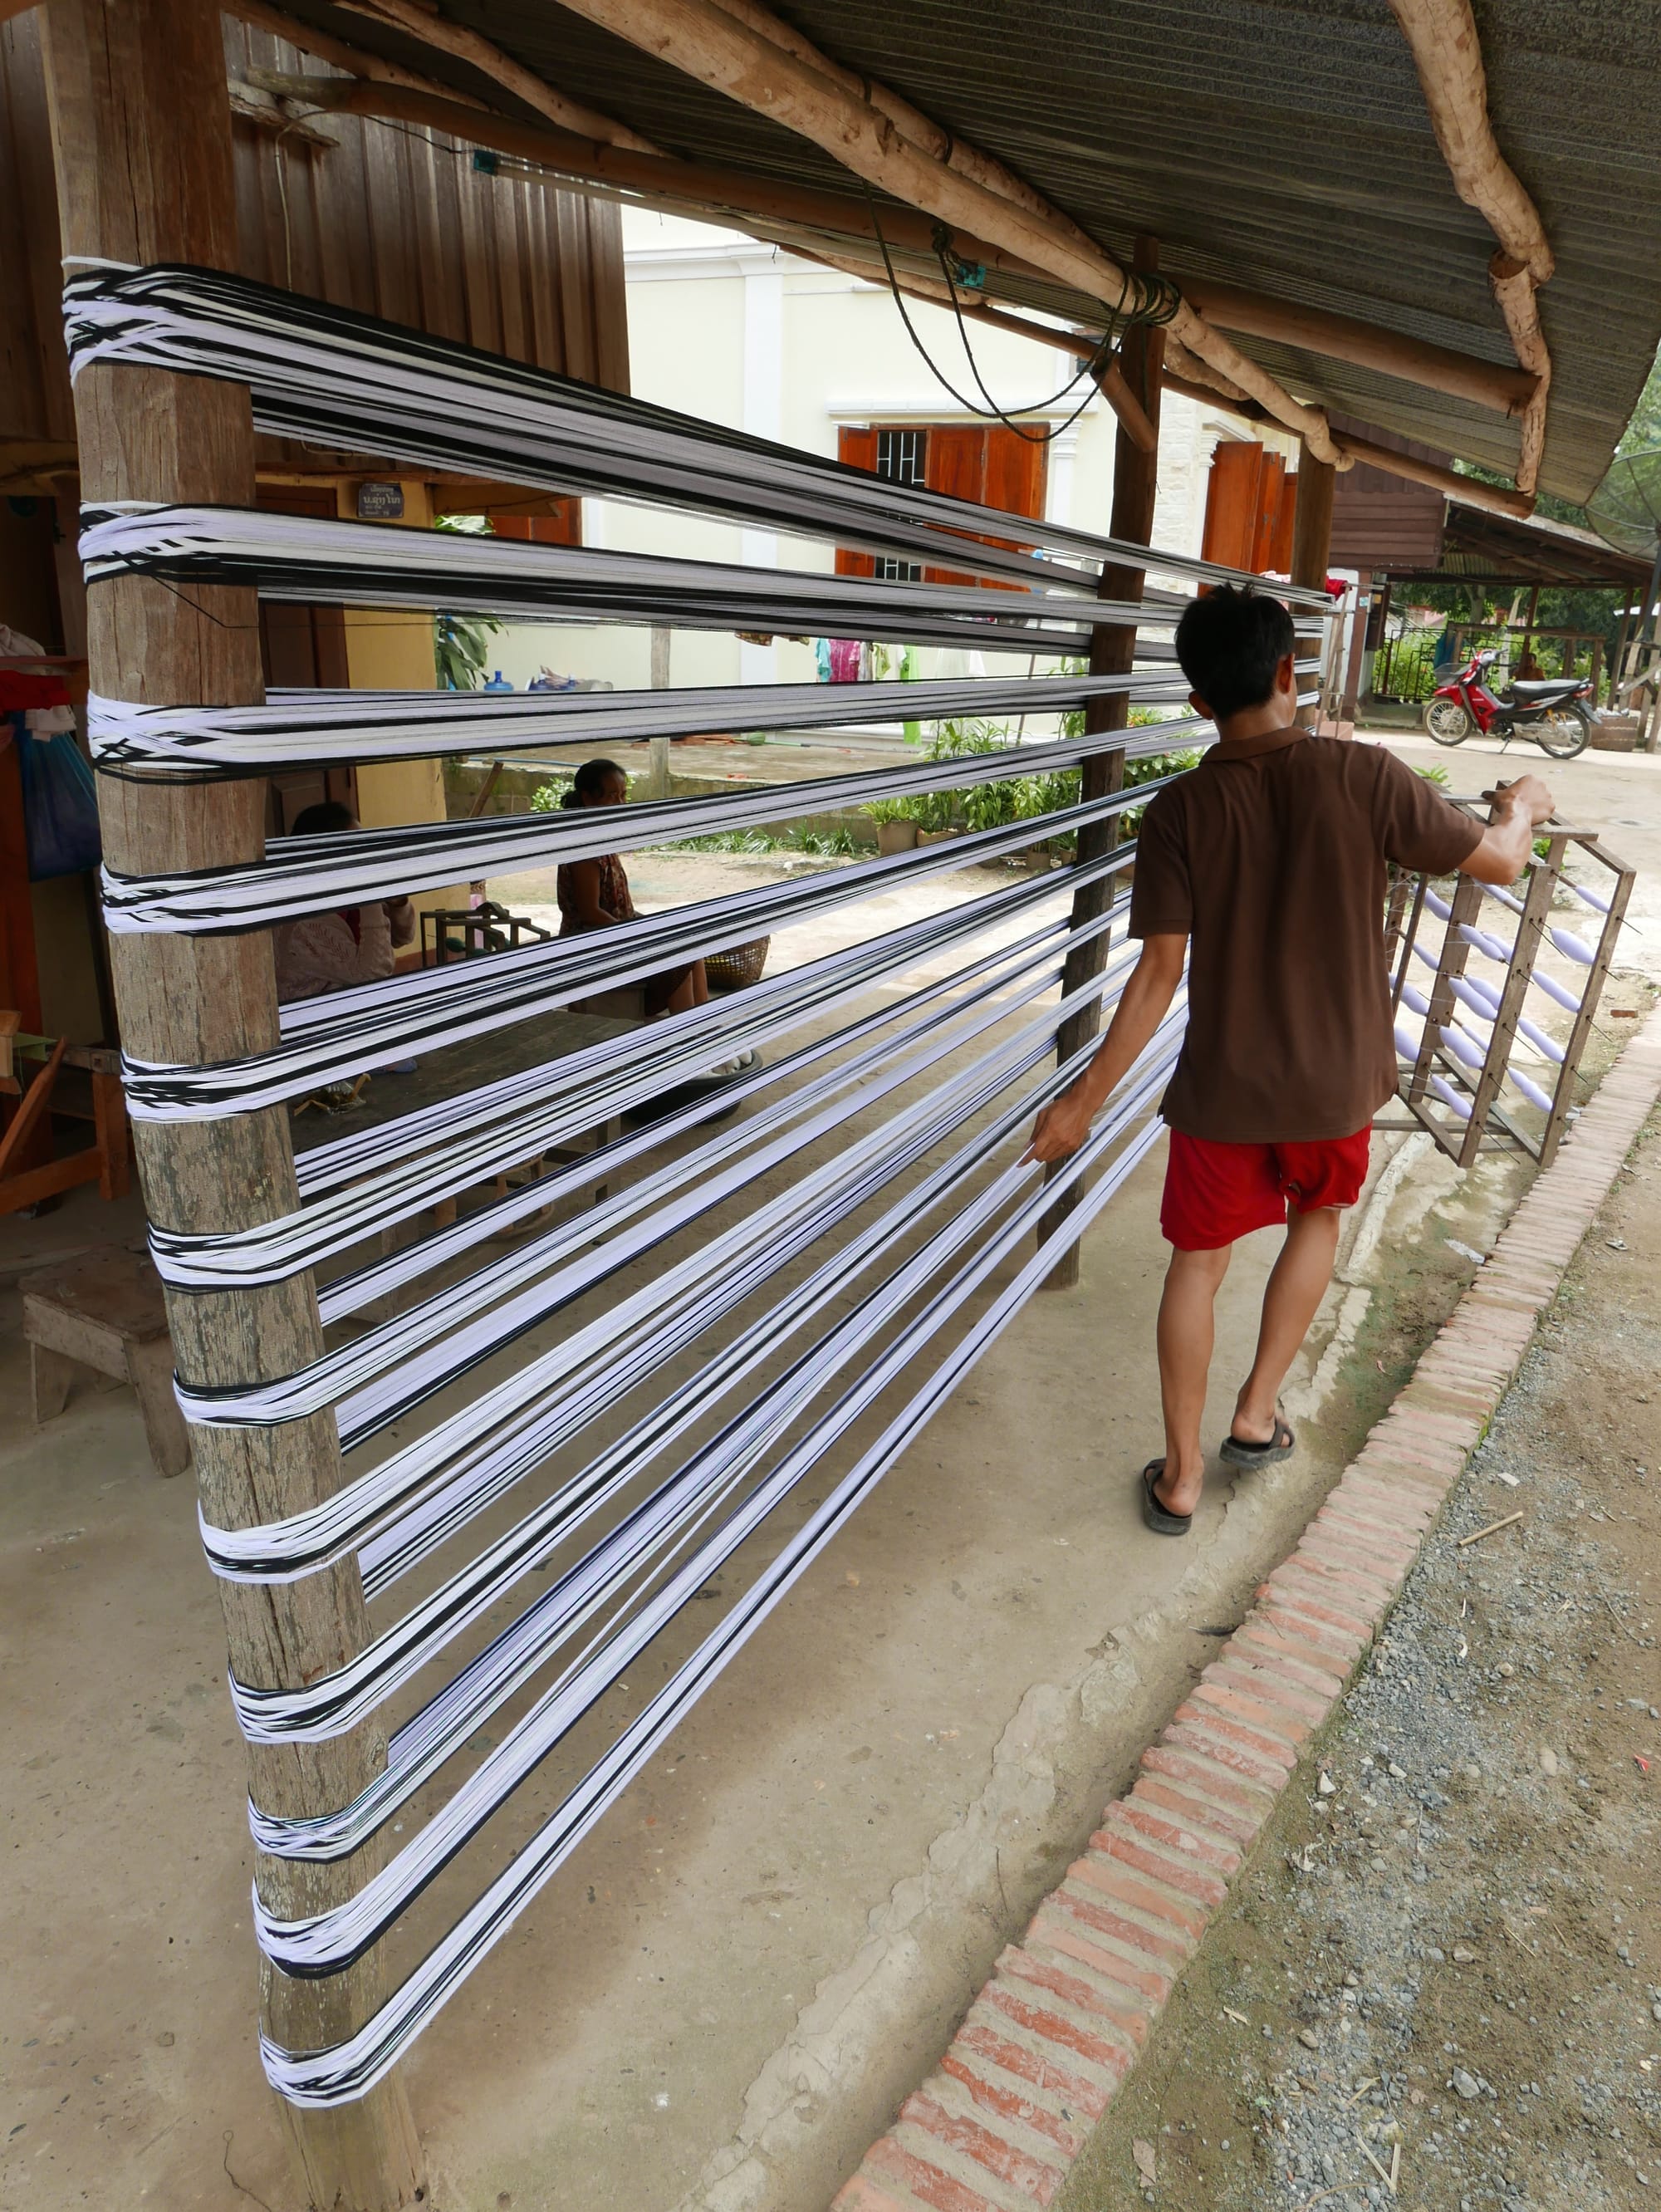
column 1266, row 868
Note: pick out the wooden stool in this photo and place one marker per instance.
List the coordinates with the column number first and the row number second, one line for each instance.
column 105, row 1312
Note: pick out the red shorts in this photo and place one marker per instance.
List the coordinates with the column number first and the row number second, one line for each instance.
column 1214, row 1193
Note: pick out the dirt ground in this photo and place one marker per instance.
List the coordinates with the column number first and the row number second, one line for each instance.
column 745, row 1969
column 741, row 1973
column 1444, row 1968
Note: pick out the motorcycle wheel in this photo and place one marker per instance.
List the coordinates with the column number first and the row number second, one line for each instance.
column 1562, row 732
column 1447, row 721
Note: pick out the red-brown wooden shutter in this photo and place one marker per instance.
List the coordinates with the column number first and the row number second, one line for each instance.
column 564, row 526
column 1231, row 503
column 1015, row 470
column 956, row 463
column 856, row 446
column 1272, row 481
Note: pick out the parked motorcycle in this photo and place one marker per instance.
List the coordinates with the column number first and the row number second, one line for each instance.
column 1548, row 711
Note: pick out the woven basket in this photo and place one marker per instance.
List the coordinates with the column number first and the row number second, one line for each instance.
column 739, row 965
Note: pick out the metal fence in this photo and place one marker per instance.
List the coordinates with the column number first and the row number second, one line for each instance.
column 1406, row 667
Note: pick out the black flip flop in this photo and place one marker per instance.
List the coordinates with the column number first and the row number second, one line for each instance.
column 1239, row 1451
column 1159, row 1518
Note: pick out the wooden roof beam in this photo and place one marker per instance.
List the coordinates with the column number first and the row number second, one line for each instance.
column 683, row 183
column 1342, row 337
column 1448, row 52
column 1471, row 491
column 943, row 145
column 779, row 76
column 352, row 60
column 1110, row 380
column 481, row 54
column 1339, row 337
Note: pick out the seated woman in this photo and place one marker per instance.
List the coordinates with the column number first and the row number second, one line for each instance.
column 323, row 952
column 594, row 894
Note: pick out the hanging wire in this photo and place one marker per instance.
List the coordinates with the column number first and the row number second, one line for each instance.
column 992, row 411
column 1156, row 300
column 1153, row 301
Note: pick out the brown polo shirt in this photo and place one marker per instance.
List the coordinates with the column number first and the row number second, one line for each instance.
column 1270, row 857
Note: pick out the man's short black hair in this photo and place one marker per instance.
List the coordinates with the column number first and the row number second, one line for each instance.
column 1230, row 641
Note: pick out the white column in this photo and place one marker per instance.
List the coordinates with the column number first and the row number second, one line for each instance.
column 1058, row 478
column 763, row 417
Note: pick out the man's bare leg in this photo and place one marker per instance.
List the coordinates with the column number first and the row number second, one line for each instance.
column 1186, row 1332
column 1293, row 1291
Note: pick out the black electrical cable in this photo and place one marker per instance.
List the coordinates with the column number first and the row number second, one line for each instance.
column 992, row 411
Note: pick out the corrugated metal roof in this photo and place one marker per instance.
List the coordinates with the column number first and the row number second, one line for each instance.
column 1479, row 543
column 1280, row 144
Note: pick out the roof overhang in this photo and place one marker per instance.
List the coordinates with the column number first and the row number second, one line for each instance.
column 1479, row 546
column 1286, row 150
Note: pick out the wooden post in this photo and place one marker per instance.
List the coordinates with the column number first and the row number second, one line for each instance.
column 1618, row 659
column 1529, row 620
column 1312, row 521
column 141, row 131
column 1312, row 540
column 1352, row 677
column 1135, row 480
column 658, row 769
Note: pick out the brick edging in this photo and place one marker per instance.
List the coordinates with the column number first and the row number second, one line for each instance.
column 1052, row 2035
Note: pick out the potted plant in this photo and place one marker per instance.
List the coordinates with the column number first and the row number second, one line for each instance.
column 896, row 831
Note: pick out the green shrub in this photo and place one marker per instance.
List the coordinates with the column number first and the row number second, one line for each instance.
column 1006, row 800
column 461, row 642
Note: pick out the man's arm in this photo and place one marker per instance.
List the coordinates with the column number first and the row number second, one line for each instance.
column 1507, row 843
column 1065, row 1123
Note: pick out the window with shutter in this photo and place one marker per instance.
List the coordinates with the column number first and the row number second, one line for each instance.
column 990, row 465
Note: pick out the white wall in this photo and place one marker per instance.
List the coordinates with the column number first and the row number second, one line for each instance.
column 747, row 334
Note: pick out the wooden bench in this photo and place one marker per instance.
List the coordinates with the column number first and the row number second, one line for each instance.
column 105, row 1312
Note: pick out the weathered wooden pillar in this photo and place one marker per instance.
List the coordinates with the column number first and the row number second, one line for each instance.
column 1350, row 705
column 1311, row 541
column 1112, row 652
column 141, row 130
column 658, row 769
column 1312, row 521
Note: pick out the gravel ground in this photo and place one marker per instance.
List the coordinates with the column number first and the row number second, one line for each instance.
column 1440, row 1985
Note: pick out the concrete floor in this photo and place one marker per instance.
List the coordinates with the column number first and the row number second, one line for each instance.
column 719, row 1999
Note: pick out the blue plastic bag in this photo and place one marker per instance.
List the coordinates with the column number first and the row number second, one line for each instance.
column 60, row 804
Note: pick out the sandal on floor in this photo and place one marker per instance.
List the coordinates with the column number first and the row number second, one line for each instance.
column 1239, row 1451
column 1159, row 1518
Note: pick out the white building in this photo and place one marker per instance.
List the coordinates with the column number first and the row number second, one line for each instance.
column 749, row 334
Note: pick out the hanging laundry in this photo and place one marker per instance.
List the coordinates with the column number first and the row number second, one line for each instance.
column 60, row 804
column 37, row 693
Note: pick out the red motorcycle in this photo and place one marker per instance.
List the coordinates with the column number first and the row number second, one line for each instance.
column 1548, row 711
